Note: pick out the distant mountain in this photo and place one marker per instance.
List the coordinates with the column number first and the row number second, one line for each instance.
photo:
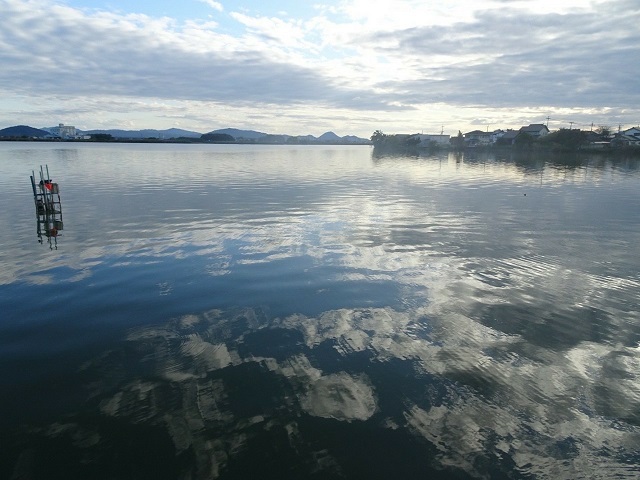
column 355, row 140
column 148, row 133
column 23, row 131
column 329, row 137
column 261, row 137
column 307, row 139
column 248, row 136
column 236, row 133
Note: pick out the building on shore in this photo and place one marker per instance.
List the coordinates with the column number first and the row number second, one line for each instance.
column 536, row 130
column 64, row 131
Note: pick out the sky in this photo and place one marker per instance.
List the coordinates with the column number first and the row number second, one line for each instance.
column 298, row 68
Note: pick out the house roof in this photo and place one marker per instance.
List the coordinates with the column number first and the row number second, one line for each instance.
column 626, row 138
column 477, row 132
column 534, row 128
column 510, row 134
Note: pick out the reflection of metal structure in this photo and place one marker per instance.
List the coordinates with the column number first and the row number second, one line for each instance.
column 46, row 196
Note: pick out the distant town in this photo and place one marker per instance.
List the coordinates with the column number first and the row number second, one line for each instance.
column 533, row 136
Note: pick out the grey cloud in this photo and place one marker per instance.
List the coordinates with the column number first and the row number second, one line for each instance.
column 51, row 53
column 574, row 60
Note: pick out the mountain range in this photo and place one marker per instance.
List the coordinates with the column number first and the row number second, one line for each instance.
column 23, row 131
column 249, row 136
column 146, row 133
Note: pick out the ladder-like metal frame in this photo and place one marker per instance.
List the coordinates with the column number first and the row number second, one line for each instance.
column 46, row 196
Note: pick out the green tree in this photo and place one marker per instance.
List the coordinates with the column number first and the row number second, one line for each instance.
column 604, row 131
column 217, row 138
column 458, row 141
column 377, row 137
column 524, row 140
column 566, row 139
column 102, row 137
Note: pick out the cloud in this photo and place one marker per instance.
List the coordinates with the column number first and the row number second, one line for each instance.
column 68, row 52
column 509, row 58
column 215, row 5
column 399, row 61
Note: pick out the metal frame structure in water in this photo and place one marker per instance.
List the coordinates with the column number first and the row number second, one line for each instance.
column 46, row 196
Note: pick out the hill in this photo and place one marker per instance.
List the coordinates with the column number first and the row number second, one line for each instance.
column 261, row 137
column 237, row 133
column 147, row 133
column 23, row 131
column 329, row 137
column 355, row 140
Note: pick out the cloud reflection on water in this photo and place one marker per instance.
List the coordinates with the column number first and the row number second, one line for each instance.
column 483, row 398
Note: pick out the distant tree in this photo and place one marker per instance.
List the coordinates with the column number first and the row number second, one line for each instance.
column 412, row 141
column 458, row 141
column 377, row 137
column 217, row 138
column 393, row 144
column 565, row 139
column 524, row 140
column 102, row 137
column 604, row 131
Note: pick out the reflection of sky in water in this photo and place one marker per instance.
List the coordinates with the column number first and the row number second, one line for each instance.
column 488, row 307
column 473, row 392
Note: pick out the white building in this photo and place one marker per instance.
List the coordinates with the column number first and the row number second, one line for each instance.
column 632, row 132
column 497, row 135
column 536, row 130
column 478, row 138
column 64, row 131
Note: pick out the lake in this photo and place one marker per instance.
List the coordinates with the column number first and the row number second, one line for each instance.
column 237, row 311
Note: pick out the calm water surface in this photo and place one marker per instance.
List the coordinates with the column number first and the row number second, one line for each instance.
column 317, row 312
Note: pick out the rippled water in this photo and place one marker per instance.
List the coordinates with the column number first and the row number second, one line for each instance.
column 318, row 312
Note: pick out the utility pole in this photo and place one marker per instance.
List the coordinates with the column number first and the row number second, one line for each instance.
column 442, row 130
column 592, row 126
column 548, row 118
column 571, row 125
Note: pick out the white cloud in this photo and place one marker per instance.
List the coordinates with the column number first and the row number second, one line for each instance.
column 291, row 33
column 213, row 4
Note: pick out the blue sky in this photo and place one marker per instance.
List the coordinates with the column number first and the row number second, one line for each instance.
column 350, row 66
column 202, row 9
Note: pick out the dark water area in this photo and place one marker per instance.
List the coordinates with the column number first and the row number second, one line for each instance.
column 288, row 312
